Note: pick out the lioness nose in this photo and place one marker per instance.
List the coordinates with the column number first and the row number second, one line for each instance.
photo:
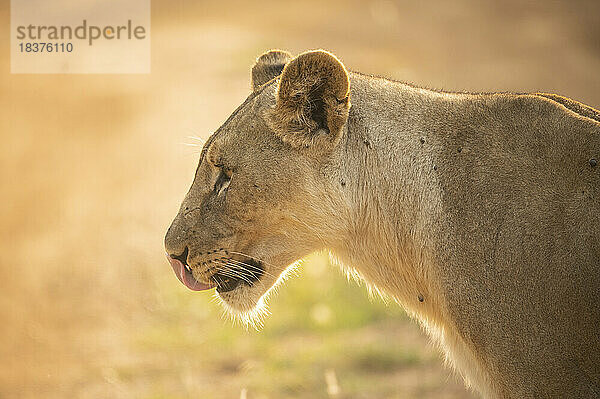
column 181, row 257
column 175, row 239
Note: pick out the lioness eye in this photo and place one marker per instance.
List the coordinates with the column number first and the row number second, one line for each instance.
column 222, row 182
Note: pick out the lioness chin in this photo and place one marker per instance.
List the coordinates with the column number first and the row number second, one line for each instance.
column 479, row 213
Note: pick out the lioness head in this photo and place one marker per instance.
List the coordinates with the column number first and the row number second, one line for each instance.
column 265, row 192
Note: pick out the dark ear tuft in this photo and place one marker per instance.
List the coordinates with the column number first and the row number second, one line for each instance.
column 313, row 99
column 268, row 66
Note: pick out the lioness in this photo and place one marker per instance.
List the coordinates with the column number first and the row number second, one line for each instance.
column 479, row 213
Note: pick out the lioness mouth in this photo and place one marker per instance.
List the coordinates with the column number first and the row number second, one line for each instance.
column 229, row 275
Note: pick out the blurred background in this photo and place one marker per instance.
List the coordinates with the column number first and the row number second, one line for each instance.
column 93, row 168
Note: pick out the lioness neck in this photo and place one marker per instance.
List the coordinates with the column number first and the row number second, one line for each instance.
column 395, row 214
column 395, row 222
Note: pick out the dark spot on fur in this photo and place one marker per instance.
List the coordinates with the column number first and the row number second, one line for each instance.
column 421, row 299
column 459, row 149
column 593, row 162
column 422, row 140
column 367, row 143
column 343, row 182
column 434, row 167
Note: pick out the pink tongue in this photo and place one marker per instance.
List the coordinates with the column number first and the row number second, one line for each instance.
column 186, row 277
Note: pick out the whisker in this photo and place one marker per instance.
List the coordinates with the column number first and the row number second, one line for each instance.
column 233, row 274
column 225, row 272
column 201, row 140
column 228, row 276
column 234, row 269
column 253, row 269
column 236, row 274
column 248, row 265
column 252, row 257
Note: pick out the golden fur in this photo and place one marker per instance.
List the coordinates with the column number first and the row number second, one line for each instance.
column 479, row 213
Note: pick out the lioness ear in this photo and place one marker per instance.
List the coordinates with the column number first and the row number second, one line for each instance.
column 268, row 66
column 313, row 99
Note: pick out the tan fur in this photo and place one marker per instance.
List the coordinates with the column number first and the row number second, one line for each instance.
column 575, row 106
column 478, row 213
column 268, row 66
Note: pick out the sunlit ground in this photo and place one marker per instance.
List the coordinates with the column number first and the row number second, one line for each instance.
column 93, row 168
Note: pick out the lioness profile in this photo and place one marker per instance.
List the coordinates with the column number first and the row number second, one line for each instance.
column 479, row 213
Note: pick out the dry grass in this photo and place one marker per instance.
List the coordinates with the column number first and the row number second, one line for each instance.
column 93, row 168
